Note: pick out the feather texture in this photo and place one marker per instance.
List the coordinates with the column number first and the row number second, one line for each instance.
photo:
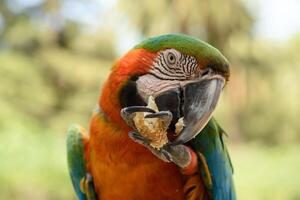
column 219, row 179
column 76, row 144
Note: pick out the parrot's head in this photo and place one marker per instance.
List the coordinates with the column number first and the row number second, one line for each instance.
column 183, row 74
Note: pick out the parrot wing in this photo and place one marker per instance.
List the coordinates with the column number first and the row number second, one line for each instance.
column 215, row 164
column 81, row 179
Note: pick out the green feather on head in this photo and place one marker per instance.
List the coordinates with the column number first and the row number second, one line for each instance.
column 207, row 55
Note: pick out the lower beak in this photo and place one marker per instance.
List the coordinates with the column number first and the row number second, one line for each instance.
column 199, row 101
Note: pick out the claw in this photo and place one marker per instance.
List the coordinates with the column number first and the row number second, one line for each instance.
column 128, row 113
column 138, row 138
column 166, row 154
column 164, row 116
column 176, row 154
column 133, row 109
column 162, row 154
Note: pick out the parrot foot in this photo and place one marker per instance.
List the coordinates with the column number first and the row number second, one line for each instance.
column 135, row 136
column 163, row 115
column 178, row 154
column 129, row 113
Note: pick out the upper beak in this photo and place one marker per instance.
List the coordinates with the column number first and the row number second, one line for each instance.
column 199, row 101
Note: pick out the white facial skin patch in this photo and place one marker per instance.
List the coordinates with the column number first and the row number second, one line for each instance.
column 149, row 85
column 169, row 70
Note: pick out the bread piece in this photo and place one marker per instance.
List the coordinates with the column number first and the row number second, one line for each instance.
column 152, row 128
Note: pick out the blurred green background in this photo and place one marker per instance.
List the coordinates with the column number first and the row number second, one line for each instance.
column 55, row 55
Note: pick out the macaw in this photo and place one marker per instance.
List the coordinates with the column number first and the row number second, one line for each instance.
column 113, row 161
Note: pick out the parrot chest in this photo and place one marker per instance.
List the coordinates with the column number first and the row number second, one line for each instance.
column 123, row 169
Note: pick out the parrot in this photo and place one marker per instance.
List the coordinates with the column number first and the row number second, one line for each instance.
column 113, row 160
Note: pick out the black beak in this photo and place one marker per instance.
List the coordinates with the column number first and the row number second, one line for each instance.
column 195, row 103
column 200, row 100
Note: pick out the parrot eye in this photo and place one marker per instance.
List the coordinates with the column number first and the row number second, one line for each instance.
column 171, row 58
column 171, row 64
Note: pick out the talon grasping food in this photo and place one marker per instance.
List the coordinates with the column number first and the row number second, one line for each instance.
column 153, row 128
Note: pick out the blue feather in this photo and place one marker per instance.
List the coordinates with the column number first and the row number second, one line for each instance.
column 209, row 142
column 76, row 163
